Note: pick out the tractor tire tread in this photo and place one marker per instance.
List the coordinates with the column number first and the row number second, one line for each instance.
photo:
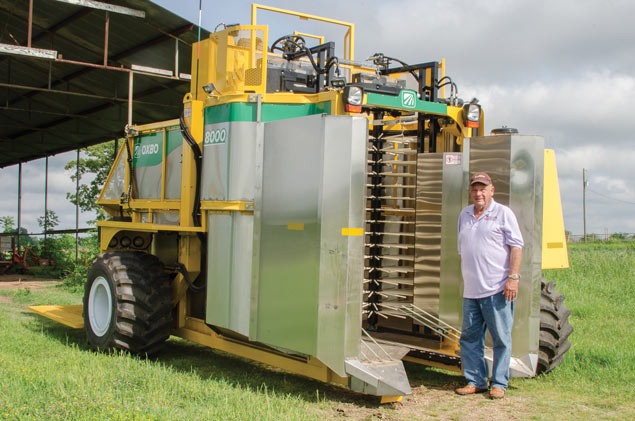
column 142, row 301
column 555, row 328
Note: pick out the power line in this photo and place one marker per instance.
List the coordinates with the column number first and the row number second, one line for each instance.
column 611, row 198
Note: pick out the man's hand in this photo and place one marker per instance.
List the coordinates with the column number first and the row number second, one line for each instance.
column 511, row 289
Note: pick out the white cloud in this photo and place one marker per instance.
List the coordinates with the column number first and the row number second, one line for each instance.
column 561, row 69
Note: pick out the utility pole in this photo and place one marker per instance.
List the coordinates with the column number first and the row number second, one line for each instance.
column 584, row 184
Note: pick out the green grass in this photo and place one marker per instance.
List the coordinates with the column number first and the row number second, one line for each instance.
column 598, row 374
column 48, row 372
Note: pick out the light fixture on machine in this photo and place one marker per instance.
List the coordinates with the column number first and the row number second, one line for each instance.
column 210, row 88
column 472, row 112
column 353, row 97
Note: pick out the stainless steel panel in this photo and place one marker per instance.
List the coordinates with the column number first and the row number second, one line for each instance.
column 219, row 270
column 341, row 256
column 427, row 275
column 229, row 256
column 515, row 163
column 526, row 187
column 289, row 249
column 307, row 297
column 229, row 161
column 438, row 286
column 451, row 291
column 492, row 154
column 229, row 166
column 255, row 264
column 240, row 291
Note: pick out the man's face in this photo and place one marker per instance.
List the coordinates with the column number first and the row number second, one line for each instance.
column 481, row 195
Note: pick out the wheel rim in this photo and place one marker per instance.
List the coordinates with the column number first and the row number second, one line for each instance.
column 100, row 306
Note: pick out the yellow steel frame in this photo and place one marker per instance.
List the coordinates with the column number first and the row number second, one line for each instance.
column 432, row 363
column 319, row 38
column 350, row 33
column 196, row 330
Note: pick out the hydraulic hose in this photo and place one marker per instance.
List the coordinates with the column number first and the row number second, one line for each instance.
column 195, row 289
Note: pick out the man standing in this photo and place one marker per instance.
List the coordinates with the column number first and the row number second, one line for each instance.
column 490, row 245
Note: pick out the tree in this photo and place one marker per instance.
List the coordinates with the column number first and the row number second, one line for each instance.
column 98, row 162
column 48, row 221
column 8, row 223
column 25, row 239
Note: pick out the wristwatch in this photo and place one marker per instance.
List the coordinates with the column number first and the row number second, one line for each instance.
column 514, row 276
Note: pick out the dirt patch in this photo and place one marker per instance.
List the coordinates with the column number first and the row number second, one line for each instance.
column 438, row 402
column 17, row 281
column 5, row 300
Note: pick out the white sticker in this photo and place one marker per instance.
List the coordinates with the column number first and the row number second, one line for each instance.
column 453, row 159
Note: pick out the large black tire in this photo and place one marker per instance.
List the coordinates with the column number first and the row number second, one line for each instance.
column 127, row 303
column 554, row 328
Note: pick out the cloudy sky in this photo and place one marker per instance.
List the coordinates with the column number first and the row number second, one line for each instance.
column 561, row 69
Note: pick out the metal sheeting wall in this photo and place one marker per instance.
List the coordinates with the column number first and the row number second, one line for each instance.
column 307, row 265
column 428, row 232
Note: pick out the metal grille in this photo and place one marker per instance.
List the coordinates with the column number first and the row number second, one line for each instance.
column 390, row 225
column 253, row 77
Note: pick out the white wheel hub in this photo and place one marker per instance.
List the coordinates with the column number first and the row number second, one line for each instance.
column 100, row 306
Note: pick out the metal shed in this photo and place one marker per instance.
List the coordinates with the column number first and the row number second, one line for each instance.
column 74, row 72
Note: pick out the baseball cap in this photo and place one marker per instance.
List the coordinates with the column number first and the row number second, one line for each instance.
column 480, row 177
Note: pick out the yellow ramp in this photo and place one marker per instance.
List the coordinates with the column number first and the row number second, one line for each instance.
column 70, row 316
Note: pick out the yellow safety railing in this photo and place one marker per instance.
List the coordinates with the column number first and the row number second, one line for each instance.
column 349, row 37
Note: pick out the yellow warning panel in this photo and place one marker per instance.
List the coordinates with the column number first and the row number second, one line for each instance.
column 70, row 316
column 295, row 226
column 554, row 242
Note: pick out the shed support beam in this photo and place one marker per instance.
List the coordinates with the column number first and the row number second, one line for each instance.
column 19, row 203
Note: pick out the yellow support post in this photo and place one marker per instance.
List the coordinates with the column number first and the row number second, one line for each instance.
column 194, row 120
column 190, row 257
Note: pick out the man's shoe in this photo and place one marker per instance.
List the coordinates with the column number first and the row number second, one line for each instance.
column 470, row 389
column 497, row 393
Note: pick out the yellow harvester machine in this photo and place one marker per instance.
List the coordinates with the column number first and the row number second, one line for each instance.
column 302, row 212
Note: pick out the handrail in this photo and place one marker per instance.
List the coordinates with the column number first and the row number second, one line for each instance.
column 304, row 16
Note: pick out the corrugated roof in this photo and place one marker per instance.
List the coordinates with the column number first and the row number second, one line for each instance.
column 48, row 106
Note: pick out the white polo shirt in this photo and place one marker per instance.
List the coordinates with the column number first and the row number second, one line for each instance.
column 484, row 248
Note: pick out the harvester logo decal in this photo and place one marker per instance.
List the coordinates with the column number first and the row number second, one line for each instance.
column 408, row 99
column 215, row 136
column 148, row 150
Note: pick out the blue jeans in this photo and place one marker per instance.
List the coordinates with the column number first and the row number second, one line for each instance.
column 496, row 315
